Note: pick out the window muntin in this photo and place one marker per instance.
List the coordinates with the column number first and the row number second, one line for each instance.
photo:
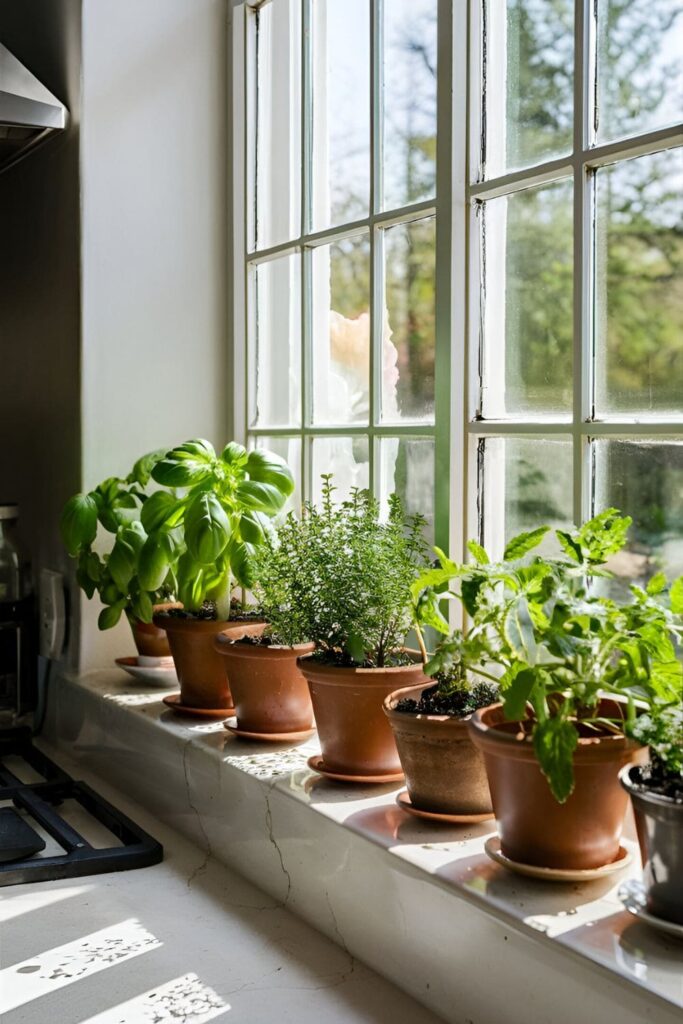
column 533, row 406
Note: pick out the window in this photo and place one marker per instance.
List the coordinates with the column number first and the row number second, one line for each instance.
column 468, row 292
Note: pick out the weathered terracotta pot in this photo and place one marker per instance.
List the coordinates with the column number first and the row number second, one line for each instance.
column 199, row 667
column 269, row 693
column 444, row 771
column 150, row 640
column 355, row 735
column 534, row 828
column 659, row 824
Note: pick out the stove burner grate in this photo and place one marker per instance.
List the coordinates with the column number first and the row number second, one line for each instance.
column 39, row 801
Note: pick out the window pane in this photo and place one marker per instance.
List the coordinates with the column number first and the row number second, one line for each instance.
column 526, row 247
column 275, row 351
column 408, row 356
column 406, row 468
column 341, row 111
column 639, row 283
column 341, row 331
column 640, row 66
column 527, row 483
column 528, row 91
column 645, row 480
column 409, row 99
column 276, row 168
column 289, row 449
column 347, row 458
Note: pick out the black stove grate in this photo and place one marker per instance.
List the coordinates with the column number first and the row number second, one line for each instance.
column 40, row 802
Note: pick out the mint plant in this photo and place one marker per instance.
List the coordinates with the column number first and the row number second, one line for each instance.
column 341, row 576
column 214, row 513
column 555, row 645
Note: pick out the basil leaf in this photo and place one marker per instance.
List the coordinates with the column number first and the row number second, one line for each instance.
column 154, row 561
column 142, row 470
column 234, row 454
column 161, row 510
column 188, row 464
column 268, row 468
column 241, row 563
column 263, row 497
column 207, row 528
column 78, row 523
column 254, row 527
column 108, row 617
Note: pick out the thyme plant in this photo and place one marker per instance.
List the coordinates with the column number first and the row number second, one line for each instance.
column 341, row 576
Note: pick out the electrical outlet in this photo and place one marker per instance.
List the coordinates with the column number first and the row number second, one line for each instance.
column 52, row 613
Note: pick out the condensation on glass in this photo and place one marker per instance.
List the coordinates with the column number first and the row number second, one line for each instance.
column 528, row 109
column 527, row 274
column 275, row 104
column 639, row 69
column 409, row 102
column 408, row 330
column 639, row 286
column 346, row 458
column 274, row 365
column 289, row 449
column 524, row 482
column 340, row 331
column 340, row 111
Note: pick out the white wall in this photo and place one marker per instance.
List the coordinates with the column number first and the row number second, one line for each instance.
column 154, row 239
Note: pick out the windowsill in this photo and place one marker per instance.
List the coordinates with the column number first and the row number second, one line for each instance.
column 400, row 889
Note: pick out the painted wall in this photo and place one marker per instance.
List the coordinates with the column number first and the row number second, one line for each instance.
column 155, row 245
column 40, row 425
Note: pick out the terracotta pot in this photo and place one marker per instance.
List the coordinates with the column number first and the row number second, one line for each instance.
column 659, row 823
column 355, row 736
column 269, row 692
column 534, row 829
column 444, row 771
column 150, row 640
column 199, row 667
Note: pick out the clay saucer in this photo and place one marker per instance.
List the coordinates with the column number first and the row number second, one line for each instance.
column 404, row 802
column 268, row 737
column 494, row 851
column 152, row 671
column 173, row 702
column 316, row 763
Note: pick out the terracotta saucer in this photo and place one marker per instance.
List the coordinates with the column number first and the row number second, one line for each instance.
column 268, row 737
column 632, row 895
column 173, row 702
column 152, row 671
column 404, row 802
column 493, row 850
column 316, row 763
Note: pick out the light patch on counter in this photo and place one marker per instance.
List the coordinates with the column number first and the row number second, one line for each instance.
column 184, row 1000
column 47, row 972
column 25, row 903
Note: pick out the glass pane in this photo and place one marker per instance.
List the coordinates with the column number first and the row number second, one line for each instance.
column 528, row 98
column 640, row 66
column 645, row 480
column 289, row 449
column 347, row 458
column 639, row 284
column 341, row 111
column 341, row 331
column 527, row 483
column 527, row 257
column 276, row 169
column 274, row 375
column 408, row 356
column 409, row 166
column 406, row 468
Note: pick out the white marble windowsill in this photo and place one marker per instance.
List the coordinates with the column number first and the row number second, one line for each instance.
column 421, row 904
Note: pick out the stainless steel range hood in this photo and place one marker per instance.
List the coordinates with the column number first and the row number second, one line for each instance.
column 29, row 113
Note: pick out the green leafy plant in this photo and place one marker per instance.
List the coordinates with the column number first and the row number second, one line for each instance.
column 221, row 507
column 661, row 729
column 341, row 576
column 542, row 629
column 119, row 575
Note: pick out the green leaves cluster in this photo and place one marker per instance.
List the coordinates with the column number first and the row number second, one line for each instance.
column 341, row 576
column 191, row 539
column 662, row 731
column 543, row 629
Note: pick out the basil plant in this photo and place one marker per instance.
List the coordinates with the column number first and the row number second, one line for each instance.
column 215, row 510
column 117, row 575
column 549, row 633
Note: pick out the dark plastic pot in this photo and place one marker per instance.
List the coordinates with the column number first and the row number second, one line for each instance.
column 659, row 823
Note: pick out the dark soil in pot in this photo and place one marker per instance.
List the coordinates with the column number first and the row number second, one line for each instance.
column 534, row 829
column 200, row 668
column 269, row 692
column 355, row 735
column 658, row 810
column 444, row 771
